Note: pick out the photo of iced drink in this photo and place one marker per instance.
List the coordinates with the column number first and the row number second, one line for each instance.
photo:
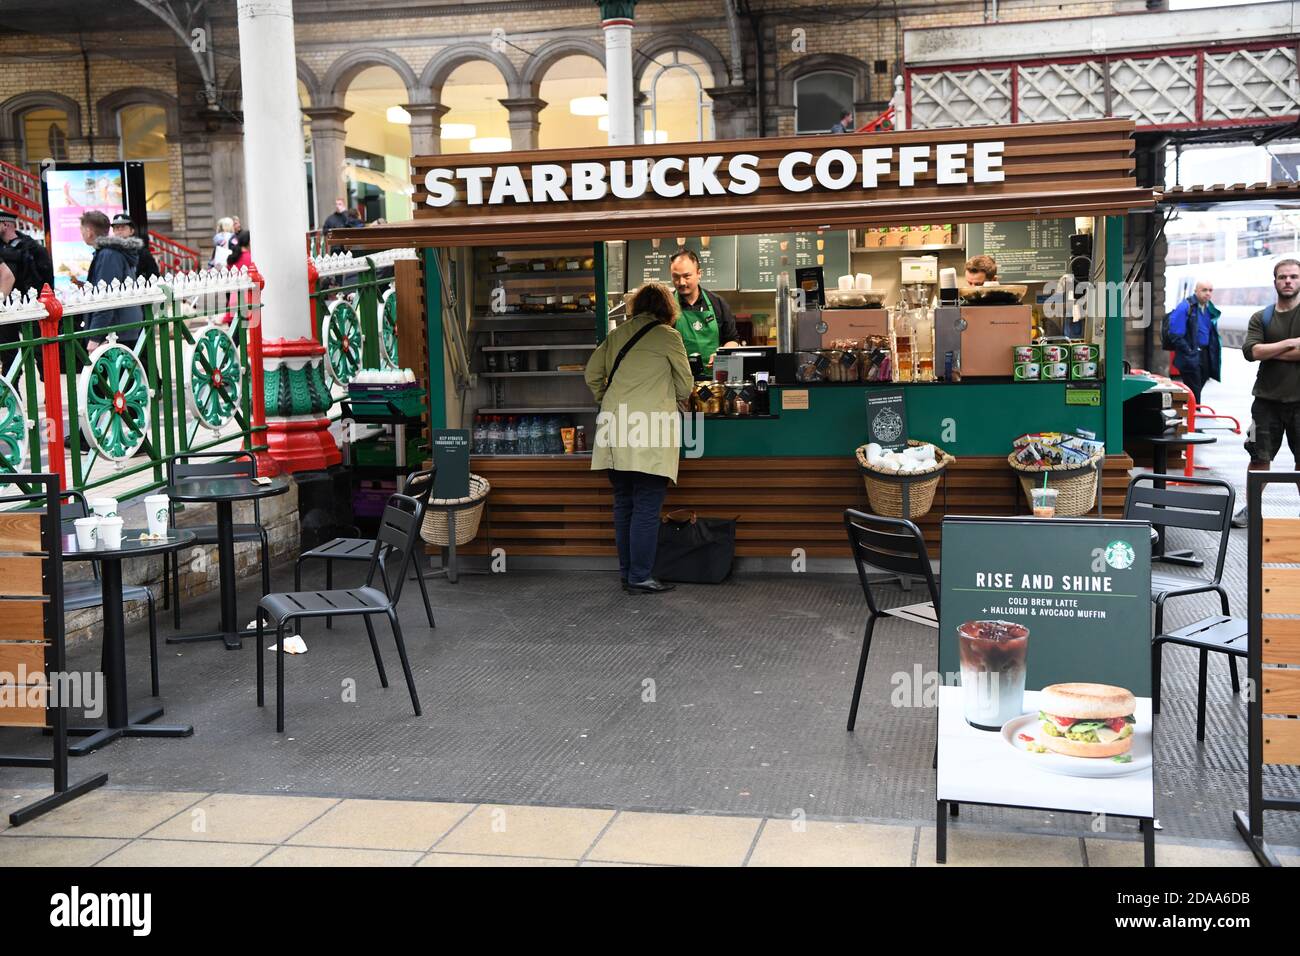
column 992, row 671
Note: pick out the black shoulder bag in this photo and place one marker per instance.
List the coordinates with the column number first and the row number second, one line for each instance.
column 695, row 550
column 618, row 359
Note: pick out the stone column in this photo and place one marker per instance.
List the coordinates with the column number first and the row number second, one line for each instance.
column 426, row 127
column 524, row 122
column 733, row 112
column 298, row 436
column 616, row 20
column 328, row 135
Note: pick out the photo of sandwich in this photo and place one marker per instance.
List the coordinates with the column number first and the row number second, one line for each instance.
column 1087, row 720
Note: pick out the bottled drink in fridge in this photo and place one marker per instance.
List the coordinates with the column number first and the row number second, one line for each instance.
column 554, row 444
column 480, row 436
column 495, row 439
column 537, row 437
column 511, row 437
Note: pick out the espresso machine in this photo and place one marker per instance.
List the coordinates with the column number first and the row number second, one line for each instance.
column 912, row 326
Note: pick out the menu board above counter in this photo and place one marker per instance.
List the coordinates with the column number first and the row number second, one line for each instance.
column 648, row 260
column 1033, row 251
column 762, row 257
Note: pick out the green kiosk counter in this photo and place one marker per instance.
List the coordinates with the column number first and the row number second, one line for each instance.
column 787, row 476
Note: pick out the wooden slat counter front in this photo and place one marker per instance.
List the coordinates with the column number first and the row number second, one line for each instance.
column 558, row 506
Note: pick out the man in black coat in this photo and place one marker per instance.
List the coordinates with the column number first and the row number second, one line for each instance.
column 28, row 260
column 115, row 258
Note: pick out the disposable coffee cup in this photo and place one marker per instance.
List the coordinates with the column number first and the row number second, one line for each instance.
column 993, row 656
column 87, row 533
column 104, row 507
column 157, row 510
column 110, row 533
column 1044, row 500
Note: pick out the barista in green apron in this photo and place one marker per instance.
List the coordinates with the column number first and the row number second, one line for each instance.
column 706, row 323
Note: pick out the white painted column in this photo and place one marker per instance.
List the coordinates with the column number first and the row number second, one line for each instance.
column 273, row 169
column 617, row 24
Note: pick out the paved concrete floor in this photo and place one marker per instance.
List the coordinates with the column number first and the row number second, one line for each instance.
column 557, row 690
column 114, row 827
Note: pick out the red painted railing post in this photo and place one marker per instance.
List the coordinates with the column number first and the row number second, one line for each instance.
column 52, row 373
column 266, row 465
column 313, row 278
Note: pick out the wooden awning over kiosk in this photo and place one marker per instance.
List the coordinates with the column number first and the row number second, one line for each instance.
column 729, row 187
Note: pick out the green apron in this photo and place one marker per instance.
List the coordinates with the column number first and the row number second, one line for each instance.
column 699, row 328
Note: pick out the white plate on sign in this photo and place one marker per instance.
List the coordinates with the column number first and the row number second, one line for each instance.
column 1052, row 762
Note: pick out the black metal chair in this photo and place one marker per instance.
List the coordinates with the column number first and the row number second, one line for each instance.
column 887, row 544
column 79, row 595
column 233, row 464
column 399, row 536
column 417, row 486
column 1192, row 510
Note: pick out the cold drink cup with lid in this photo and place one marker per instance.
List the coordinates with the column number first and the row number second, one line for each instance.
column 993, row 655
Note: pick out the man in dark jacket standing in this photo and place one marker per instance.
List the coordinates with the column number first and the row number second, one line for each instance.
column 1194, row 331
column 124, row 228
column 342, row 217
column 114, row 259
column 28, row 260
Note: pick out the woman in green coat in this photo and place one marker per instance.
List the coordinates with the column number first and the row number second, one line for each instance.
column 638, row 430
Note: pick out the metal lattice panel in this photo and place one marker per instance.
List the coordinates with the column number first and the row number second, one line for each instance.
column 1053, row 92
column 1246, row 84
column 1155, row 91
column 961, row 98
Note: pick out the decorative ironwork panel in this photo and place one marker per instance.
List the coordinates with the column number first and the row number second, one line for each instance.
column 1055, row 92
column 961, row 98
column 1155, row 91
column 1251, row 84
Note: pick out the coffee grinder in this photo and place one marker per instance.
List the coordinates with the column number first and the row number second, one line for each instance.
column 913, row 321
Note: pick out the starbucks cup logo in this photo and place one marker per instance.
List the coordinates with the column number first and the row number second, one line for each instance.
column 1120, row 555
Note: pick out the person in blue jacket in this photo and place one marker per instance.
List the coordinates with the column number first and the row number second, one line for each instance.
column 1194, row 331
column 115, row 258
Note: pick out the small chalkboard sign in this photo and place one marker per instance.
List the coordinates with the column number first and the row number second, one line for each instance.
column 451, row 461
column 887, row 418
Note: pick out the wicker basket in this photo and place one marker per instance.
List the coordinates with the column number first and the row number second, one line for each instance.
column 1077, row 484
column 469, row 511
column 885, row 488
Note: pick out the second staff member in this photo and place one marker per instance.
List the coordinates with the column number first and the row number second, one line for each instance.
column 706, row 322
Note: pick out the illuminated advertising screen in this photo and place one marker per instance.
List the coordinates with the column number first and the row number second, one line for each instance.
column 70, row 190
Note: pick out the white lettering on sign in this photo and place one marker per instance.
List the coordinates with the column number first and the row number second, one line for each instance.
column 670, row 177
column 785, row 171
column 659, row 177
column 618, row 183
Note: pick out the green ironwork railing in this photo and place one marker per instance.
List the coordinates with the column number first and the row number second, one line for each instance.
column 354, row 312
column 172, row 378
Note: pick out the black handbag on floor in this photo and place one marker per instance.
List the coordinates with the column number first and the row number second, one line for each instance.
column 695, row 550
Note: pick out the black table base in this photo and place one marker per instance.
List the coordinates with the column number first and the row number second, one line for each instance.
column 1160, row 465
column 138, row 724
column 229, row 632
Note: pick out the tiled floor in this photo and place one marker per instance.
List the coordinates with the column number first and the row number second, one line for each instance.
column 114, row 827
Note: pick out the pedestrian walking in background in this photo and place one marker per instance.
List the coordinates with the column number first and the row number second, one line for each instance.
column 221, row 242
column 115, row 258
column 239, row 254
column 845, row 122
column 638, row 375
column 1194, row 334
column 24, row 265
column 124, row 228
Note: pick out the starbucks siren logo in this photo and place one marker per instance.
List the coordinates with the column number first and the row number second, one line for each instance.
column 1119, row 555
column 888, row 426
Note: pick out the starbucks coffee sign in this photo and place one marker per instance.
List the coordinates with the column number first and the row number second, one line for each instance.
column 672, row 177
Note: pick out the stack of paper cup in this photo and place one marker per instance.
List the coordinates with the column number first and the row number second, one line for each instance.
column 110, row 533
column 157, row 510
column 87, row 533
column 846, row 283
column 104, row 507
column 862, row 282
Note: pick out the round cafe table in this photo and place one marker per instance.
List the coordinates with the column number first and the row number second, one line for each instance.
column 224, row 492
column 118, row 721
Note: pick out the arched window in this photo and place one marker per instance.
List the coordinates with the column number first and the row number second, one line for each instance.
column 475, row 121
column 45, row 136
column 677, row 110
column 819, row 100
column 574, row 91
column 142, row 132
column 378, row 146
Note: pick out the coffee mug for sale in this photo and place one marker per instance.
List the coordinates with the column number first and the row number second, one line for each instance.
column 1083, row 353
column 1055, row 370
column 1055, row 353
column 1025, row 354
column 1083, row 370
column 1026, row 372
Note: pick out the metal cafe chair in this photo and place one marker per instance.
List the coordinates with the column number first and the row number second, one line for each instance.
column 887, row 544
column 399, row 536
column 242, row 465
column 417, row 486
column 79, row 595
column 1193, row 510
